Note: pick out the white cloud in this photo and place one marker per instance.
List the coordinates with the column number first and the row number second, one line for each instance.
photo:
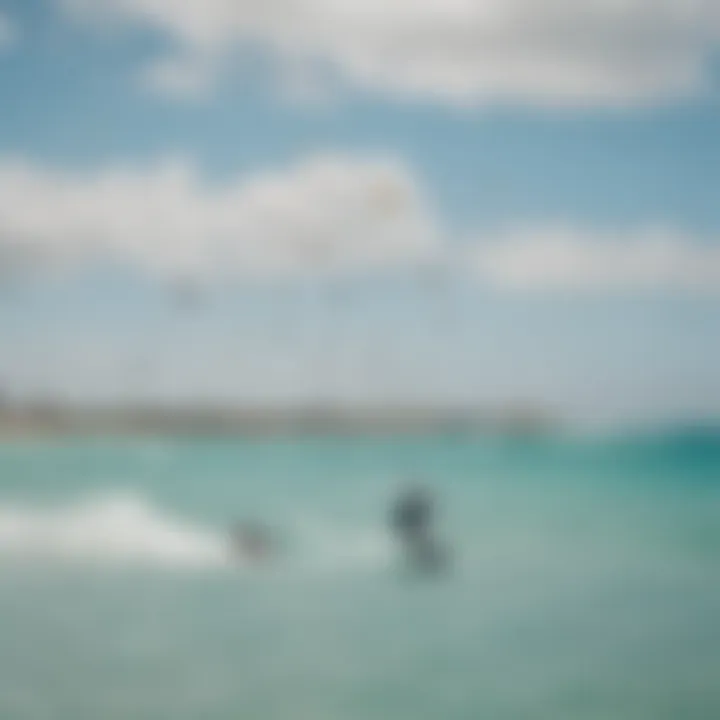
column 571, row 260
column 8, row 32
column 326, row 214
column 466, row 52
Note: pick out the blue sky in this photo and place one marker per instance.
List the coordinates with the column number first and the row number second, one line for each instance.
column 566, row 194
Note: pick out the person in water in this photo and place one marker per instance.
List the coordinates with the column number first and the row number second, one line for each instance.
column 412, row 520
column 412, row 514
column 253, row 542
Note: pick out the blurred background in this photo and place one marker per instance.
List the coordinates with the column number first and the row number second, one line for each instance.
column 265, row 265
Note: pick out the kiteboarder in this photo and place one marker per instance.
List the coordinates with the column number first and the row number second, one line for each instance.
column 412, row 519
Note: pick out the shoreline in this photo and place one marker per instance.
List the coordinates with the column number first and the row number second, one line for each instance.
column 30, row 423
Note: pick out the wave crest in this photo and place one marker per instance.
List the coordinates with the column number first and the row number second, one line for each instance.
column 115, row 528
column 126, row 529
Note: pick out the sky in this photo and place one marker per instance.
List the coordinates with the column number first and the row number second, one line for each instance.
column 446, row 201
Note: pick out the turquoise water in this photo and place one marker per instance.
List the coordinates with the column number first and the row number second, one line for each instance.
column 585, row 585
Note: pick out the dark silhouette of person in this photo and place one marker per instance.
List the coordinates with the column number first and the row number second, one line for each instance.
column 412, row 521
column 412, row 514
column 251, row 541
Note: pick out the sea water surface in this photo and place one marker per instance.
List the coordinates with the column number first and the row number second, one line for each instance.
column 585, row 582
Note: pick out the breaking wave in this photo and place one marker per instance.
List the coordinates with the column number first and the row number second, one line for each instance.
column 126, row 529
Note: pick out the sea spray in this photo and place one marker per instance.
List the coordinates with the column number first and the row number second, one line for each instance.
column 109, row 529
column 121, row 529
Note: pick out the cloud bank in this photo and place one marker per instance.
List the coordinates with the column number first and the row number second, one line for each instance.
column 325, row 215
column 568, row 259
column 458, row 52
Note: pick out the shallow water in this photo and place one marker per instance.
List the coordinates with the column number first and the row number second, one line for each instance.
column 585, row 580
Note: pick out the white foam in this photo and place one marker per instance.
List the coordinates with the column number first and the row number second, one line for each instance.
column 110, row 529
column 126, row 529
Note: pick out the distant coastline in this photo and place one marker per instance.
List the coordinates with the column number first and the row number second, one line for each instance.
column 28, row 421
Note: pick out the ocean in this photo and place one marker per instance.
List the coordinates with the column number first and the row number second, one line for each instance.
column 584, row 582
